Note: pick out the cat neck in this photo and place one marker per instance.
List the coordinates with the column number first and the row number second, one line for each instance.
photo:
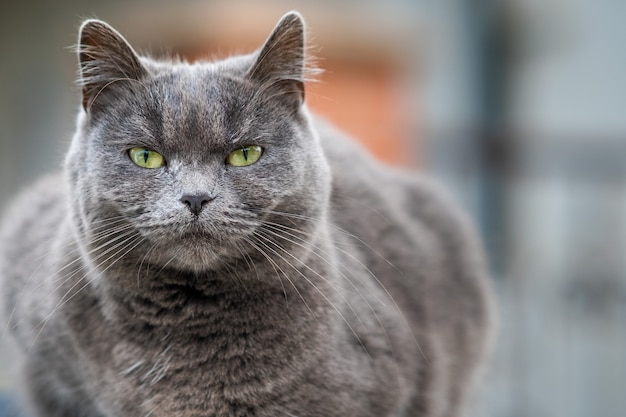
column 219, row 302
column 197, row 336
column 253, row 294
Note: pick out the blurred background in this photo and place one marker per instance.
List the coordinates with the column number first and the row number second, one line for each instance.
column 518, row 106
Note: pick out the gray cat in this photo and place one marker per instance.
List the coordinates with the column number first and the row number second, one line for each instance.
column 214, row 250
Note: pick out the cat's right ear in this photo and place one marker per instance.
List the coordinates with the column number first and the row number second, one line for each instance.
column 104, row 58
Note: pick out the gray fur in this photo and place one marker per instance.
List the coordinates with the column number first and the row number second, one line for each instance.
column 317, row 282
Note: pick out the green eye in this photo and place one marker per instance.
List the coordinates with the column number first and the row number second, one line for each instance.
column 245, row 156
column 146, row 158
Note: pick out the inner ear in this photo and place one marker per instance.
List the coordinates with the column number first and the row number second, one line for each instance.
column 280, row 63
column 104, row 57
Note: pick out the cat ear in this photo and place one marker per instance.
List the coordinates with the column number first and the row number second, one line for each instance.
column 104, row 57
column 280, row 64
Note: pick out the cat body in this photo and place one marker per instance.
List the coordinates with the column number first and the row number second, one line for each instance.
column 313, row 281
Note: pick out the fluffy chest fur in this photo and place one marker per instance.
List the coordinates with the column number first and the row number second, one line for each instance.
column 223, row 346
column 224, row 354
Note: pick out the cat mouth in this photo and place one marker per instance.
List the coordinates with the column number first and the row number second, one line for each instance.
column 197, row 238
column 197, row 232
column 201, row 250
column 200, row 236
column 197, row 235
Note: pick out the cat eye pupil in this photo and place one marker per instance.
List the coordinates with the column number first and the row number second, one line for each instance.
column 245, row 156
column 146, row 158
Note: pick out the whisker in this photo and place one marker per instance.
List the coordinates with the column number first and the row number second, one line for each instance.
column 337, row 228
column 380, row 284
column 369, row 305
column 308, row 234
column 246, row 257
column 64, row 278
column 144, row 258
column 128, row 237
column 330, row 303
column 317, row 248
column 119, row 229
column 393, row 300
column 128, row 245
column 102, row 224
column 278, row 268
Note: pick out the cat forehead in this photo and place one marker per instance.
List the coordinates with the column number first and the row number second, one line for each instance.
column 201, row 106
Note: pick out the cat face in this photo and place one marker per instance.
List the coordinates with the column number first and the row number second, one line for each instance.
column 190, row 161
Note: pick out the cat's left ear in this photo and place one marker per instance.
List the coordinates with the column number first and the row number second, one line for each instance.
column 280, row 64
column 104, row 58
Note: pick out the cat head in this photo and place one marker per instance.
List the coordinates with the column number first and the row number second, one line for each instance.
column 185, row 164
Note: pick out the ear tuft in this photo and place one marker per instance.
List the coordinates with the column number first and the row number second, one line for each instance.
column 104, row 57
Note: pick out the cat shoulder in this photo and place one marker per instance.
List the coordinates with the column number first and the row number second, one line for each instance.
column 356, row 172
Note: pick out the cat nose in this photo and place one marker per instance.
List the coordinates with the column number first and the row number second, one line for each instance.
column 195, row 203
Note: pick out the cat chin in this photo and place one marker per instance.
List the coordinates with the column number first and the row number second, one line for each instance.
column 191, row 255
column 197, row 265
